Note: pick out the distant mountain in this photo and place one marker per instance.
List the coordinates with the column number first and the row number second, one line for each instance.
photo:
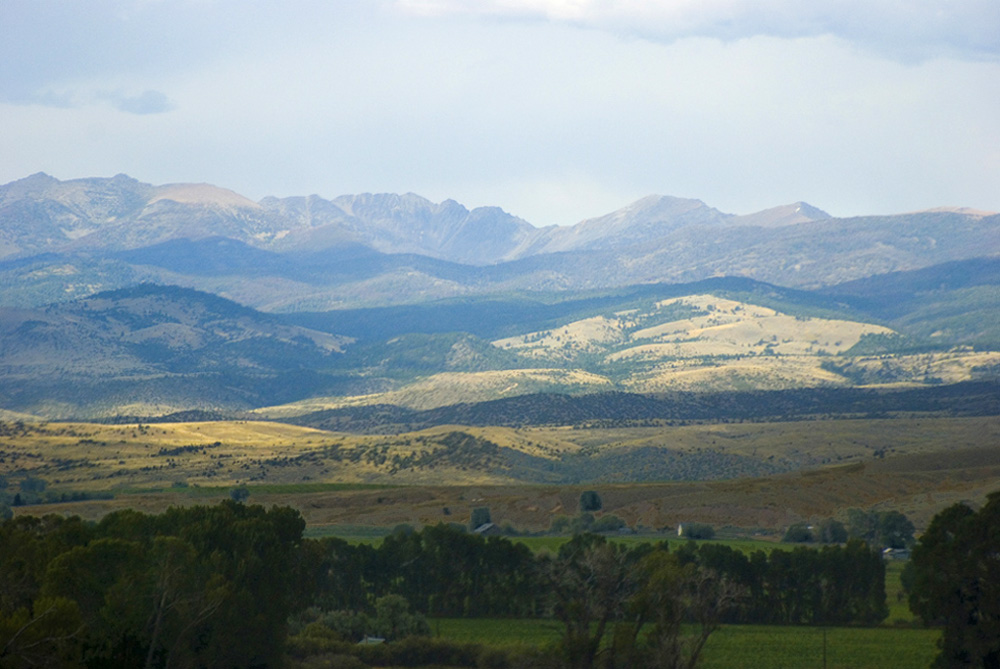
column 399, row 224
column 642, row 221
column 789, row 214
column 154, row 350
column 42, row 214
column 952, row 303
column 153, row 346
column 60, row 240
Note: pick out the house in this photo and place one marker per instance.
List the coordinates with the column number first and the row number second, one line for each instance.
column 488, row 530
column 896, row 554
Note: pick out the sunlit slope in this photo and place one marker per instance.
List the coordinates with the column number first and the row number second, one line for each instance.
column 447, row 388
column 694, row 327
column 751, row 475
column 84, row 456
column 700, row 342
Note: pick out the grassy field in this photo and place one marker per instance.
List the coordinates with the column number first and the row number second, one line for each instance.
column 743, row 646
column 765, row 647
column 552, row 543
column 917, row 466
column 899, row 608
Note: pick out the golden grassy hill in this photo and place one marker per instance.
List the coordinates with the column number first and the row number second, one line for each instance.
column 696, row 343
column 918, row 466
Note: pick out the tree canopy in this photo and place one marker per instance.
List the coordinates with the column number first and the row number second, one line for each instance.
column 954, row 581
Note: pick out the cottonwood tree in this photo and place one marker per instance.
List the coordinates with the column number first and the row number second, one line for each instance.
column 881, row 529
column 955, row 582
column 680, row 605
column 590, row 501
column 590, row 581
column 43, row 635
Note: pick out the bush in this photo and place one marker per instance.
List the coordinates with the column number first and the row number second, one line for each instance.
column 582, row 523
column 698, row 531
column 535, row 657
column 608, row 523
column 559, row 524
column 799, row 533
column 328, row 661
column 393, row 619
column 493, row 658
column 33, row 484
column 591, row 501
column 832, row 532
column 420, row 651
column 520, row 657
column 347, row 625
column 308, row 645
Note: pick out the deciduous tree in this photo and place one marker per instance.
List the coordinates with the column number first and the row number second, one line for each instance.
column 955, row 582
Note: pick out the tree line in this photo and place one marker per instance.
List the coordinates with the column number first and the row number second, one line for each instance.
column 218, row 585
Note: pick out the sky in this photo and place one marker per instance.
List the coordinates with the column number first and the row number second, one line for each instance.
column 553, row 110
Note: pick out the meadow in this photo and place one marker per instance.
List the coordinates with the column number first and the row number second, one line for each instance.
column 742, row 646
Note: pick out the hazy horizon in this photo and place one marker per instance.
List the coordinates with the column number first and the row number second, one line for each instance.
column 555, row 112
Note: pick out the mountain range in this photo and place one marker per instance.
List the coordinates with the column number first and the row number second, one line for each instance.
column 119, row 298
column 121, row 213
column 65, row 239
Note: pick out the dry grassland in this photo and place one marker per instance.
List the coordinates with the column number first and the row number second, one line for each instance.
column 726, row 327
column 449, row 388
column 918, row 466
column 728, row 345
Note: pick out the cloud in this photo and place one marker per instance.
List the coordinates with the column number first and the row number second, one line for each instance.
column 906, row 31
column 147, row 102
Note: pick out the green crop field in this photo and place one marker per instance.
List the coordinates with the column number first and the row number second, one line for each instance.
column 352, row 534
column 895, row 598
column 358, row 534
column 773, row 647
column 553, row 542
column 497, row 632
column 743, row 646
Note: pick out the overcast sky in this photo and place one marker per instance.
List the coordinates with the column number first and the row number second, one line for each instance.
column 554, row 110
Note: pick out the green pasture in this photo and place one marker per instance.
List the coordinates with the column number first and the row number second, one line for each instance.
column 356, row 534
column 774, row 647
column 497, row 632
column 352, row 534
column 552, row 543
column 742, row 646
column 895, row 598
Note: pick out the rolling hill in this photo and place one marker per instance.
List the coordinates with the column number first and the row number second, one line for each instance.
column 752, row 476
column 151, row 350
